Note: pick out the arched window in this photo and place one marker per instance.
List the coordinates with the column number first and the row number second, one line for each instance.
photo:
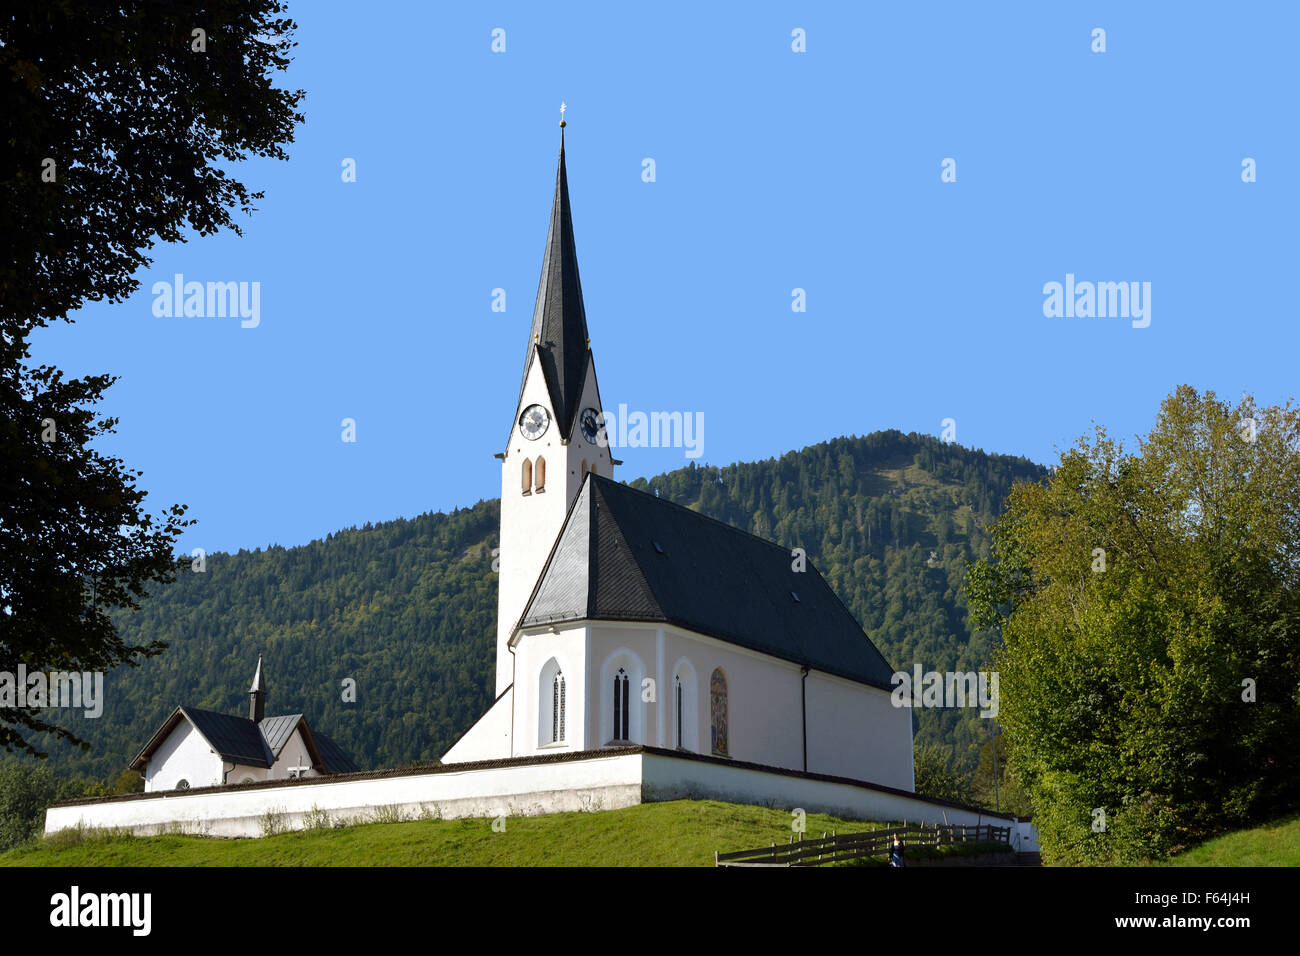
column 718, row 711
column 539, row 481
column 182, row 784
column 677, row 705
column 621, row 710
column 584, row 467
column 684, row 708
column 551, row 704
column 557, row 709
column 528, row 477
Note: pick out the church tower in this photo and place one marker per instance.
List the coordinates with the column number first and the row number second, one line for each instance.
column 556, row 435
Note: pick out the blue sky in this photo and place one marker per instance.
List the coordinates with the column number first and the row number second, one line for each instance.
column 775, row 170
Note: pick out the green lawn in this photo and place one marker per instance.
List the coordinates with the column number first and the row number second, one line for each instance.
column 679, row 833
column 1273, row 844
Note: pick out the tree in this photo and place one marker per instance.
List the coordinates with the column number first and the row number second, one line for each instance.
column 997, row 787
column 935, row 776
column 74, row 542
column 129, row 781
column 1148, row 604
column 24, row 795
column 119, row 121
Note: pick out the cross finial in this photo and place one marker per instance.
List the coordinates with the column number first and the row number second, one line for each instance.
column 562, row 109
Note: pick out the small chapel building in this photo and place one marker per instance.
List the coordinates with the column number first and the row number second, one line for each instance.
column 203, row 748
column 626, row 619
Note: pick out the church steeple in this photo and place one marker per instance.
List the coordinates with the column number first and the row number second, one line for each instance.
column 558, row 338
column 556, row 436
column 257, row 695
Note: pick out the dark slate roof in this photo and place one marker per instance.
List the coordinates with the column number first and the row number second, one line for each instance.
column 624, row 555
column 336, row 761
column 240, row 740
column 276, row 731
column 558, row 338
column 233, row 738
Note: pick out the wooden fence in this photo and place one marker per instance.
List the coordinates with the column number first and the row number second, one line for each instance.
column 835, row 847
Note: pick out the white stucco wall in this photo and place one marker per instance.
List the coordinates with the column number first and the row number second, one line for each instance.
column 184, row 755
column 667, row 778
column 294, row 753
column 598, row 783
column 489, row 738
column 569, row 649
column 855, row 731
column 592, row 783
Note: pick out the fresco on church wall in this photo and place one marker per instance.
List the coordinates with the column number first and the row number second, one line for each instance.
column 718, row 711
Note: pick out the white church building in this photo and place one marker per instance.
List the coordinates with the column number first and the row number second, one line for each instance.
column 625, row 619
column 644, row 652
column 205, row 748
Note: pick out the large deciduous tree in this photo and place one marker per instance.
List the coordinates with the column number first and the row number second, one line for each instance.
column 120, row 124
column 1149, row 608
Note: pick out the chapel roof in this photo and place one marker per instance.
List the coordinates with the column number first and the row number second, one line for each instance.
column 239, row 740
column 624, row 555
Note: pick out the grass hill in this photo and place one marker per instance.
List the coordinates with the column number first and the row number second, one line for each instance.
column 407, row 608
column 1271, row 844
column 678, row 833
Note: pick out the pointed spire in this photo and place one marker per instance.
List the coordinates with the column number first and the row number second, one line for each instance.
column 257, row 695
column 558, row 337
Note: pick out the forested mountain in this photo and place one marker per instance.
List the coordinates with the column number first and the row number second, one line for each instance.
column 407, row 608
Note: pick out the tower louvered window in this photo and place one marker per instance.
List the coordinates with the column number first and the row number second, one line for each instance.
column 527, row 477
column 539, row 474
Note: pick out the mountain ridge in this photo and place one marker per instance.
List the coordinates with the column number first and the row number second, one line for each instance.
column 406, row 607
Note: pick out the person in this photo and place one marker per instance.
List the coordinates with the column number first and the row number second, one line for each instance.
column 896, row 852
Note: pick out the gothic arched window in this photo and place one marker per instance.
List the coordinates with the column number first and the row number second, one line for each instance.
column 539, row 474
column 684, row 708
column 620, row 705
column 677, row 704
column 557, row 709
column 527, row 477
column 718, row 711
column 551, row 704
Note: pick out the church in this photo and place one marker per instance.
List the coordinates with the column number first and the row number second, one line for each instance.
column 624, row 619
column 204, row 748
column 643, row 651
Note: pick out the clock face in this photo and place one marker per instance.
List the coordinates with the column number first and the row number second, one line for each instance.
column 534, row 422
column 591, row 426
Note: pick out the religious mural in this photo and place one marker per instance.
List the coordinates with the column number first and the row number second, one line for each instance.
column 718, row 711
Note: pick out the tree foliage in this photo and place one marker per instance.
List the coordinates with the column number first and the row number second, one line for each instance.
column 1149, row 608
column 936, row 776
column 119, row 121
column 139, row 127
